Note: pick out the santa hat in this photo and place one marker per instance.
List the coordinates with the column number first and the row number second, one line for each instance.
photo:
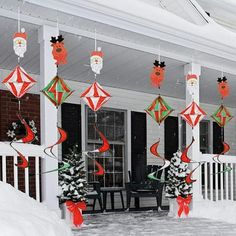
column 21, row 34
column 191, row 76
column 97, row 53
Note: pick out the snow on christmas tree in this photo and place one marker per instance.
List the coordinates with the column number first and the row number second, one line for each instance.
column 73, row 180
column 176, row 184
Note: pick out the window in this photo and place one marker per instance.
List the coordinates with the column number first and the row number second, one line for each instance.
column 204, row 136
column 112, row 124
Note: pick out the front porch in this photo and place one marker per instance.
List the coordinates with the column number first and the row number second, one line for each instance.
column 130, row 49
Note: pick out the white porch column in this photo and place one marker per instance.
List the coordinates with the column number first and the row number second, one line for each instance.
column 193, row 68
column 48, row 117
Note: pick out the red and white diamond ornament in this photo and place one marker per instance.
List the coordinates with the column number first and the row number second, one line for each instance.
column 193, row 114
column 95, row 96
column 18, row 82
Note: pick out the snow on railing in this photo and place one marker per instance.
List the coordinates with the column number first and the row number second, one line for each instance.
column 9, row 170
column 219, row 180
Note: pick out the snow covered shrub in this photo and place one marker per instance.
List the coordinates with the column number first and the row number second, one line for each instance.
column 73, row 179
column 176, row 184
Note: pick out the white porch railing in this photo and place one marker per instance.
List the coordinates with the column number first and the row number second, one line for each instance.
column 218, row 186
column 29, row 151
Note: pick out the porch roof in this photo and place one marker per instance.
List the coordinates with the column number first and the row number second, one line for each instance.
column 129, row 52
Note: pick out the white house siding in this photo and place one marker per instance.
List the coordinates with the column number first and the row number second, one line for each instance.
column 137, row 101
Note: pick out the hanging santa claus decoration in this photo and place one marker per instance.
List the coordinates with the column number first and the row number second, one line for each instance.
column 96, row 60
column 20, row 43
column 192, row 82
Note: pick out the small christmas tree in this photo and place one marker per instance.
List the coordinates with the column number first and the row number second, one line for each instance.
column 73, row 179
column 176, row 184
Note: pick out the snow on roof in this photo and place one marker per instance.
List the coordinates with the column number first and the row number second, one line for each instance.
column 154, row 15
column 21, row 215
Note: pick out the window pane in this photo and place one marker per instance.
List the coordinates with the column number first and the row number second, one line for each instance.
column 112, row 124
column 118, row 180
column 118, row 164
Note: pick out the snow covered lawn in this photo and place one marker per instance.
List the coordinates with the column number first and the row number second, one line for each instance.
column 21, row 215
column 149, row 224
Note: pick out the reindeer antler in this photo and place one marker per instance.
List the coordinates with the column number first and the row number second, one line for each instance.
column 60, row 38
column 53, row 40
column 160, row 64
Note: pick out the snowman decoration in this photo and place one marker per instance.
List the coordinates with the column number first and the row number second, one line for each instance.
column 96, row 61
column 20, row 43
column 192, row 82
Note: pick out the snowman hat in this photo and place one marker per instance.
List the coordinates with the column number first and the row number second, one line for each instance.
column 21, row 34
column 97, row 53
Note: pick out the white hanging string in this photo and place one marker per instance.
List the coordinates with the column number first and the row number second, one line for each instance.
column 95, row 47
column 159, row 53
column 18, row 18
column 95, row 40
column 18, row 28
column 57, row 23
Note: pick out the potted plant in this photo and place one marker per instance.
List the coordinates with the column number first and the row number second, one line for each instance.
column 176, row 186
column 73, row 187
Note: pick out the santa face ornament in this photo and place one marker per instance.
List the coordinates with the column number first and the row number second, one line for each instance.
column 20, row 43
column 192, row 82
column 96, row 61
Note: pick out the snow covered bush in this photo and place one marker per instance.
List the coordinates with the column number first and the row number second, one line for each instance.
column 176, row 184
column 73, row 180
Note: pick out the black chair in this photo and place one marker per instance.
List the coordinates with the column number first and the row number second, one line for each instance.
column 146, row 188
column 95, row 194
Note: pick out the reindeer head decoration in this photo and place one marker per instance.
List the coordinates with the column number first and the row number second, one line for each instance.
column 158, row 73
column 223, row 87
column 59, row 52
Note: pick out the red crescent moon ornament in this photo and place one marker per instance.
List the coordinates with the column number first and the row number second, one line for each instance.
column 184, row 156
column 100, row 171
column 30, row 136
column 105, row 146
column 153, row 149
column 188, row 178
column 226, row 148
column 63, row 138
column 24, row 163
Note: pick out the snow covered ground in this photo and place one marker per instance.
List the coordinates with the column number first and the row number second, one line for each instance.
column 21, row 215
column 151, row 223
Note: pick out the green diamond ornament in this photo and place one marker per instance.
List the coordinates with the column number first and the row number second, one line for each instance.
column 57, row 91
column 159, row 110
column 222, row 116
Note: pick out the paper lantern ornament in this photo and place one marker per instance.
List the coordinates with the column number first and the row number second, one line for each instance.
column 57, row 91
column 95, row 96
column 193, row 114
column 59, row 51
column 159, row 110
column 96, row 61
column 222, row 116
column 223, row 87
column 158, row 73
column 192, row 82
column 20, row 43
column 18, row 82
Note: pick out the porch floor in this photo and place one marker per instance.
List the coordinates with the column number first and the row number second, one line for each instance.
column 151, row 223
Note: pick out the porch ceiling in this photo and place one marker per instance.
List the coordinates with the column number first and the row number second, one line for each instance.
column 123, row 67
